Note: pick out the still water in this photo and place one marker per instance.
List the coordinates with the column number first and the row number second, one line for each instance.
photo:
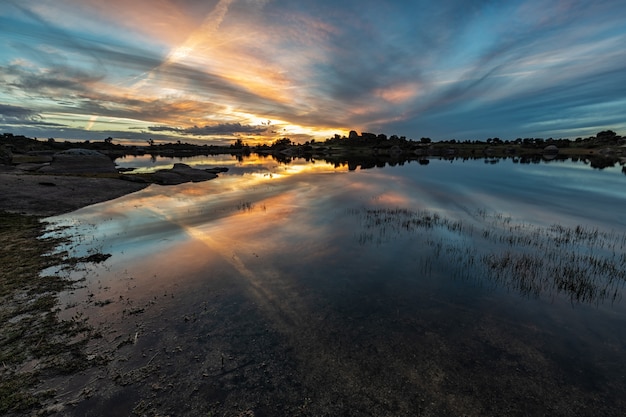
column 453, row 288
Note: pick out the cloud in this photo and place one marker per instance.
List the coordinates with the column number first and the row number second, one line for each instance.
column 19, row 116
column 88, row 93
column 208, row 28
column 209, row 130
column 525, row 74
column 8, row 112
column 50, row 80
column 437, row 69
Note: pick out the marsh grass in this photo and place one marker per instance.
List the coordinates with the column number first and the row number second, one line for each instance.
column 583, row 263
column 34, row 344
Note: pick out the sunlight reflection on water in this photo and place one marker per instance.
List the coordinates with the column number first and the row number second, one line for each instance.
column 311, row 242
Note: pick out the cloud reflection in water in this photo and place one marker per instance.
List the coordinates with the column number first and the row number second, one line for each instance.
column 336, row 263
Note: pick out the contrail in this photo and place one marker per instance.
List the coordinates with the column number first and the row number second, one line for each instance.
column 209, row 26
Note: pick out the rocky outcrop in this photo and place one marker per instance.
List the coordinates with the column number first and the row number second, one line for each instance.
column 182, row 173
column 79, row 161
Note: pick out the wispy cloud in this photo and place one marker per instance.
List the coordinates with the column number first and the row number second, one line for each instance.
column 208, row 68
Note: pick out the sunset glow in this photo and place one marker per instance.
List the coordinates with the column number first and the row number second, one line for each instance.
column 262, row 70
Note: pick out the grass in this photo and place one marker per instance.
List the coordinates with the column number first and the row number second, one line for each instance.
column 34, row 344
column 585, row 264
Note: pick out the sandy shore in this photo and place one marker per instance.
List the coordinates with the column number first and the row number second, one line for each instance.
column 49, row 195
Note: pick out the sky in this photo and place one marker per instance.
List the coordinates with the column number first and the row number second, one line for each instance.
column 261, row 70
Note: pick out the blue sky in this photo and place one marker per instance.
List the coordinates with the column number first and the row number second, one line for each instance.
column 265, row 69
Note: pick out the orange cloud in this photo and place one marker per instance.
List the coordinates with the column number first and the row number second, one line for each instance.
column 398, row 94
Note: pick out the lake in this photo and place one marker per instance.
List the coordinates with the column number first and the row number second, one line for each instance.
column 477, row 288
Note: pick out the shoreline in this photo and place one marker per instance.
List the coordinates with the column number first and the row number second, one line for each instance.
column 35, row 345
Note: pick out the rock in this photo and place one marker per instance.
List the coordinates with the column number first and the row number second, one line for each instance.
column 395, row 151
column 167, row 177
column 42, row 154
column 95, row 258
column 551, row 150
column 30, row 167
column 182, row 173
column 135, row 178
column 607, row 151
column 80, row 161
column 217, row 170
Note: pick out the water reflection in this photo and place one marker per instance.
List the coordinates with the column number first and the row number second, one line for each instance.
column 306, row 289
column 586, row 265
column 251, row 162
column 373, row 160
